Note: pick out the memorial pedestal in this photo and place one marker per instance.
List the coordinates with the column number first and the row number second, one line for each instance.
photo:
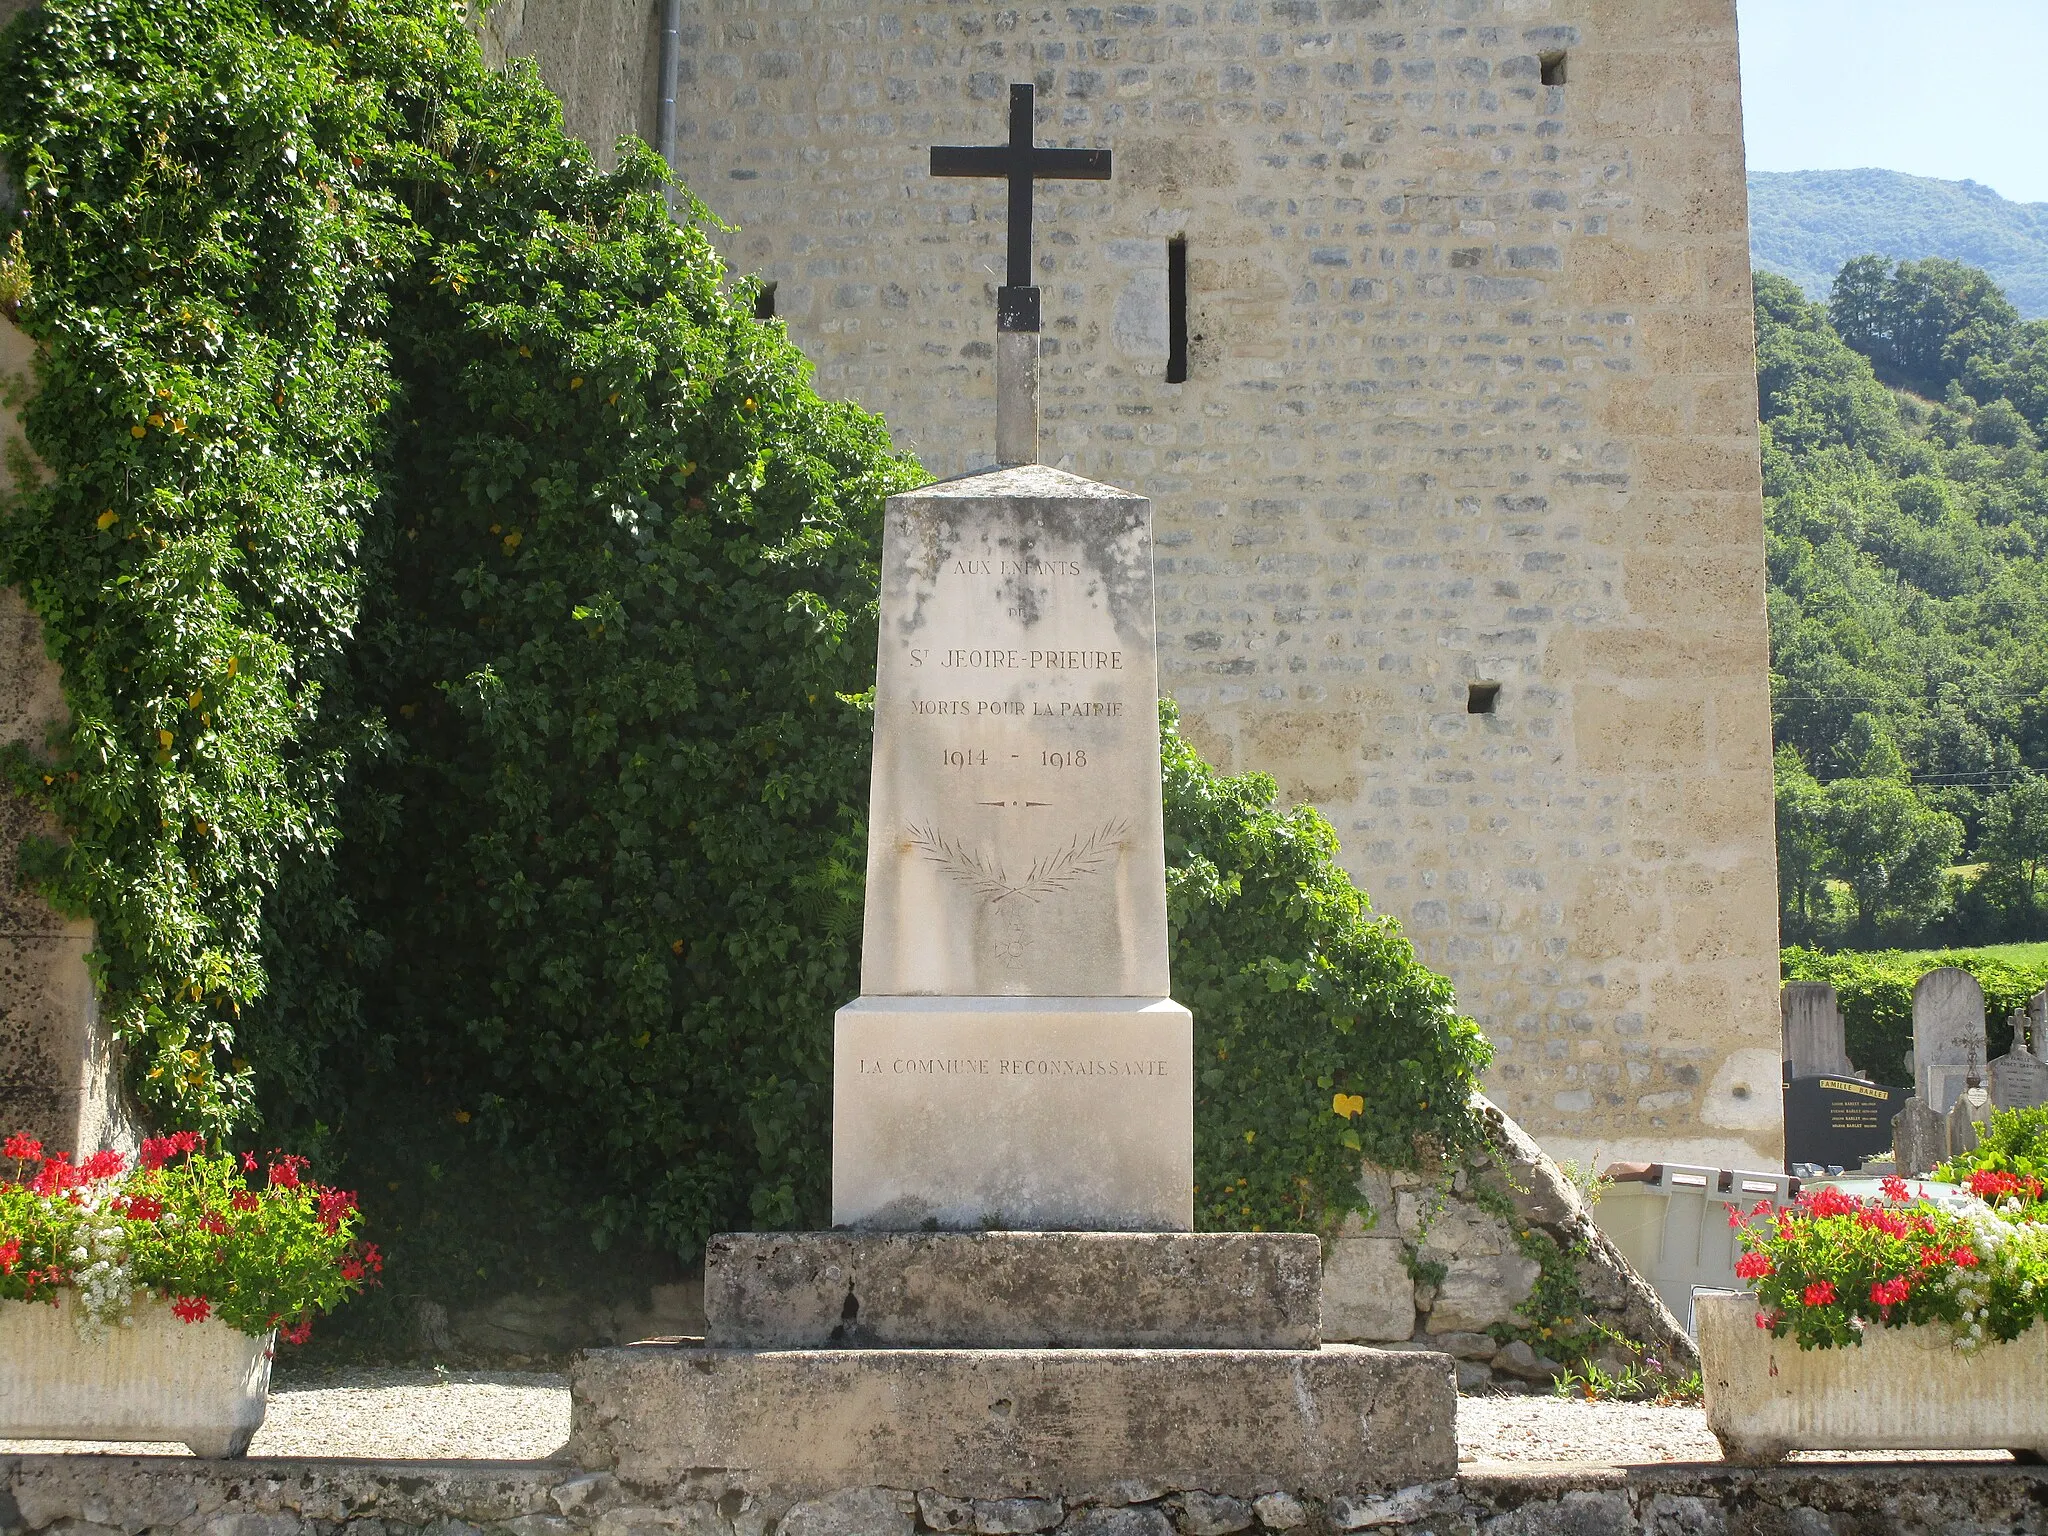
column 979, row 1113
column 1015, row 1061
column 1006, row 1423
column 1013, row 1290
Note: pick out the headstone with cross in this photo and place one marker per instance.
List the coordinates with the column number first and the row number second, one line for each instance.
column 1022, row 163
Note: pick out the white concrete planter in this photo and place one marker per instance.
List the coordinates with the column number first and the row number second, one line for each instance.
column 203, row 1384
column 1903, row 1389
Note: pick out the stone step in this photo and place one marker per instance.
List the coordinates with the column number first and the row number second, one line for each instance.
column 1013, row 1290
column 1004, row 1423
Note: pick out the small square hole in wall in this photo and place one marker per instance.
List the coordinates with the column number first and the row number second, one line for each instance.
column 1553, row 68
column 1481, row 697
column 764, row 302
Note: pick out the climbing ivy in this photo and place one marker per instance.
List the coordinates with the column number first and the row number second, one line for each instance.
column 205, row 235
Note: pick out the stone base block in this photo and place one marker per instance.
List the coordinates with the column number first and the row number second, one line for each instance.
column 1047, row 1113
column 1013, row 1290
column 989, row 1424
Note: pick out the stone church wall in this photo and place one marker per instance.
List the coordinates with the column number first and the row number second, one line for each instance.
column 1471, row 400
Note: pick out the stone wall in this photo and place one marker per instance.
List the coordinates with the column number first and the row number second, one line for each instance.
column 1455, row 1265
column 1471, row 400
column 59, row 1071
column 171, row 1496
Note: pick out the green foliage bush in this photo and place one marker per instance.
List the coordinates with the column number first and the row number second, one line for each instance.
column 2016, row 1142
column 1876, row 992
column 467, row 609
column 1305, row 1004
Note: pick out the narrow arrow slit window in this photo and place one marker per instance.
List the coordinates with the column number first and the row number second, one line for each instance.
column 1177, row 310
column 764, row 302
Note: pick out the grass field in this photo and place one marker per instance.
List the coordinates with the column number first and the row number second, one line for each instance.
column 2011, row 954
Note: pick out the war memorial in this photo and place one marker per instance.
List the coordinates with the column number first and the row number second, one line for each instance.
column 1452, row 524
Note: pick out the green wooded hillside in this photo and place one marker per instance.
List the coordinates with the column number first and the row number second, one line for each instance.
column 1907, row 519
column 1805, row 224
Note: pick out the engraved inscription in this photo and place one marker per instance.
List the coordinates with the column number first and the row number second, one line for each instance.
column 983, row 873
column 1012, row 1066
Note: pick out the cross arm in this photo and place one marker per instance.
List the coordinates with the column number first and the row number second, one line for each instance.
column 968, row 160
column 1070, row 164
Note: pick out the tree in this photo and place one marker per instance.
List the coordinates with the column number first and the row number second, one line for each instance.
column 1923, row 322
column 1802, row 849
column 1891, row 850
column 2015, row 849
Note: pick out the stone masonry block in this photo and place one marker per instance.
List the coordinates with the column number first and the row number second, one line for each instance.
column 1012, row 1290
column 994, row 1424
column 1368, row 1293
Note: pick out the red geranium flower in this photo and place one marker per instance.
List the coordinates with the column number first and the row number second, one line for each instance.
column 1965, row 1257
column 214, row 1223
column 10, row 1255
column 22, row 1147
column 193, row 1309
column 1894, row 1188
column 1753, row 1266
column 105, row 1164
column 245, row 1201
column 1890, row 1293
column 1819, row 1294
column 143, row 1208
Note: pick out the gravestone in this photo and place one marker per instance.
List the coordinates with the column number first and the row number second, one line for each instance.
column 1813, row 1030
column 1838, row 1122
column 2019, row 1079
column 1948, row 1035
column 1968, row 1119
column 1919, row 1139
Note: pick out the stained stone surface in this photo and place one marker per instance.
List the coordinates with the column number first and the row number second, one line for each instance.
column 59, row 1066
column 995, row 1424
column 1948, row 1035
column 1015, row 845
column 1012, row 1290
column 1013, row 1112
column 1813, row 1029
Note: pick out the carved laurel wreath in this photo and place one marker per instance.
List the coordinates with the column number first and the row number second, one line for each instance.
column 1051, row 873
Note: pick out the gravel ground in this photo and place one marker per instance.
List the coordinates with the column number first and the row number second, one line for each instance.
column 394, row 1415
column 524, row 1415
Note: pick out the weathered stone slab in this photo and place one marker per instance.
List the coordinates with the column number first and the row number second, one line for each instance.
column 60, row 1067
column 1015, row 845
column 1014, row 1112
column 990, row 1424
column 1948, row 1035
column 1012, row 1290
column 1368, row 1291
column 1813, row 1029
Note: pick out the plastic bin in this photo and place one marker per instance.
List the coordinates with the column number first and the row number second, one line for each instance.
column 1670, row 1222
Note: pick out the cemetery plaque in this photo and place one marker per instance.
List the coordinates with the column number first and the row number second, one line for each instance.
column 1948, row 1035
column 2019, row 1079
column 1839, row 1122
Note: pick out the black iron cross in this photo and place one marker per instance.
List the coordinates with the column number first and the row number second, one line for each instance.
column 1021, row 162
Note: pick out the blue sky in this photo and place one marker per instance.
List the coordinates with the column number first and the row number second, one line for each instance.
column 1950, row 88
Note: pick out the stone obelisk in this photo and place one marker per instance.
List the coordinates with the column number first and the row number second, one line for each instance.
column 1014, row 1059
